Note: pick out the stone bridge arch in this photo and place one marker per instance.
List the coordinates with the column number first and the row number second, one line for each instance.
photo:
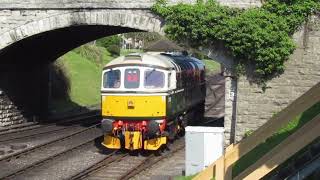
column 26, row 50
column 130, row 20
column 27, row 39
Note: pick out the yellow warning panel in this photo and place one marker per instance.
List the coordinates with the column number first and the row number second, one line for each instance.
column 133, row 140
column 111, row 142
column 134, row 106
column 154, row 144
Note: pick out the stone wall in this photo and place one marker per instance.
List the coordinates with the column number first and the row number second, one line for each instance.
column 94, row 4
column 255, row 107
column 9, row 113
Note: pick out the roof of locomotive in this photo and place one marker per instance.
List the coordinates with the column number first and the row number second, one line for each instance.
column 157, row 59
column 154, row 59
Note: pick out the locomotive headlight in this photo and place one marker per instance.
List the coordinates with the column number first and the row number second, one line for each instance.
column 160, row 121
column 162, row 124
column 144, row 123
column 120, row 123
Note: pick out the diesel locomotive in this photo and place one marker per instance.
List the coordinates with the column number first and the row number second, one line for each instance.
column 148, row 99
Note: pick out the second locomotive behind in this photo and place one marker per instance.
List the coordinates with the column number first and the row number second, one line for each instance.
column 150, row 97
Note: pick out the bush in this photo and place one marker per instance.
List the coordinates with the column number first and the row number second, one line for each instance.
column 91, row 52
column 198, row 55
column 256, row 37
column 114, row 50
column 106, row 42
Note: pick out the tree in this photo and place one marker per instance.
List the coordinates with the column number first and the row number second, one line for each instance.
column 106, row 42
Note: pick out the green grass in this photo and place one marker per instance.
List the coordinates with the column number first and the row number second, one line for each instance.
column 106, row 56
column 83, row 66
column 212, row 66
column 85, row 77
column 96, row 54
column 276, row 139
column 185, row 177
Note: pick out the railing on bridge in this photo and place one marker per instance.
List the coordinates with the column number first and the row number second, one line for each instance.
column 222, row 168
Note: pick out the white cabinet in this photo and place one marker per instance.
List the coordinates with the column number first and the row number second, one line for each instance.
column 204, row 145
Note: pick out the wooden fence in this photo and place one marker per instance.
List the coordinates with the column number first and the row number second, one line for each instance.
column 222, row 168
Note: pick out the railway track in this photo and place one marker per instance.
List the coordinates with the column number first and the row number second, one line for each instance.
column 19, row 163
column 140, row 171
column 59, row 158
column 34, row 126
column 45, row 129
column 123, row 166
column 27, row 125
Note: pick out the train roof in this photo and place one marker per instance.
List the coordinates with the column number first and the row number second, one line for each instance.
column 154, row 59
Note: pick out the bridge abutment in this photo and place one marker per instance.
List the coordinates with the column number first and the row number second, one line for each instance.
column 24, row 93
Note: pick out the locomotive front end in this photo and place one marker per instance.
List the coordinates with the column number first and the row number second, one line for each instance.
column 150, row 98
column 134, row 122
column 134, row 106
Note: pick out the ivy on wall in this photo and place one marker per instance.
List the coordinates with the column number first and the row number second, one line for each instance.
column 259, row 37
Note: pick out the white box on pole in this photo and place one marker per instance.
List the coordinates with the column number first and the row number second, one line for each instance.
column 204, row 145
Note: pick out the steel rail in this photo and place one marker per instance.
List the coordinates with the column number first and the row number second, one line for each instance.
column 61, row 121
column 99, row 165
column 148, row 163
column 45, row 132
column 29, row 150
column 52, row 157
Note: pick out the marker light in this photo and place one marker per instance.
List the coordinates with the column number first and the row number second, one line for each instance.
column 144, row 123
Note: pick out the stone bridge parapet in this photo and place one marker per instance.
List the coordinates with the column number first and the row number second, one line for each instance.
column 106, row 4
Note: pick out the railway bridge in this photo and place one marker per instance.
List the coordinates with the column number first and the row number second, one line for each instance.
column 34, row 33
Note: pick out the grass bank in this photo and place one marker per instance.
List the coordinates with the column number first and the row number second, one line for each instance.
column 83, row 67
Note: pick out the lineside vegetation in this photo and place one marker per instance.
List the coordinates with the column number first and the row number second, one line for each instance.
column 260, row 38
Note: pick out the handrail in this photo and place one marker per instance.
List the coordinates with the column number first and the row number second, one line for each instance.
column 235, row 152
